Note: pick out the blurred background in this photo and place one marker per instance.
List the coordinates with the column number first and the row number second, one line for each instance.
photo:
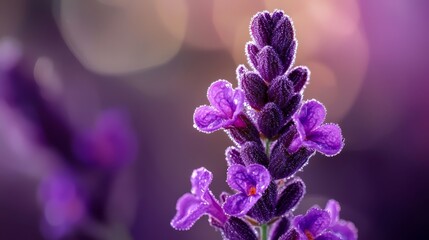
column 97, row 98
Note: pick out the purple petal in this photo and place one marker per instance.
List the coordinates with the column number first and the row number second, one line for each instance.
column 189, row 210
column 333, row 208
column 344, row 229
column 225, row 99
column 315, row 221
column 329, row 236
column 326, row 139
column 207, row 119
column 200, row 181
column 243, row 179
column 239, row 204
column 311, row 115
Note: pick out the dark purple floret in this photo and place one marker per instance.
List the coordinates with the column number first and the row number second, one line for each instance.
column 255, row 89
column 283, row 35
column 280, row 91
column 299, row 77
column 251, row 52
column 252, row 152
column 263, row 210
column 270, row 120
column 261, row 29
column 290, row 197
column 280, row 228
column 269, row 65
column 282, row 164
column 292, row 106
column 237, row 229
column 233, row 156
column 244, row 130
column 291, row 235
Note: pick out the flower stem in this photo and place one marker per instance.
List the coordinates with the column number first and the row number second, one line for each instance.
column 264, row 230
column 267, row 147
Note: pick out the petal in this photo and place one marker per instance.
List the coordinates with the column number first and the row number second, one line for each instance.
column 326, row 139
column 237, row 229
column 239, row 204
column 207, row 119
column 311, row 115
column 315, row 221
column 333, row 208
column 329, row 236
column 200, row 181
column 189, row 210
column 238, row 178
column 261, row 175
column 344, row 229
column 224, row 98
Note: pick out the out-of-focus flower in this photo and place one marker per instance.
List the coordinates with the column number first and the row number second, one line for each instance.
column 319, row 224
column 109, row 144
column 226, row 105
column 191, row 206
column 64, row 205
column 326, row 138
column 250, row 182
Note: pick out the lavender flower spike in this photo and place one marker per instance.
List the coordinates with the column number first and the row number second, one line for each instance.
column 226, row 105
column 312, row 134
column 324, row 224
column 250, row 182
column 192, row 206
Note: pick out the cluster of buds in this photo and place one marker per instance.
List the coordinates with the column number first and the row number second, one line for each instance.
column 275, row 133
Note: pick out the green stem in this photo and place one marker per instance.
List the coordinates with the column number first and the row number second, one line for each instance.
column 264, row 230
column 267, row 147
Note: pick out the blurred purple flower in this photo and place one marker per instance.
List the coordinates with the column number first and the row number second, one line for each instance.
column 192, row 206
column 226, row 105
column 312, row 134
column 64, row 206
column 324, row 224
column 250, row 182
column 110, row 144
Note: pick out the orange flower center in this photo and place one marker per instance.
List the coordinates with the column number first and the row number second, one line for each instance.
column 252, row 191
column 309, row 235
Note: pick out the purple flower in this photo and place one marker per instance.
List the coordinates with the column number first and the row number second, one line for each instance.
column 226, row 105
column 110, row 144
column 64, row 206
column 319, row 224
column 250, row 182
column 312, row 134
column 192, row 206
